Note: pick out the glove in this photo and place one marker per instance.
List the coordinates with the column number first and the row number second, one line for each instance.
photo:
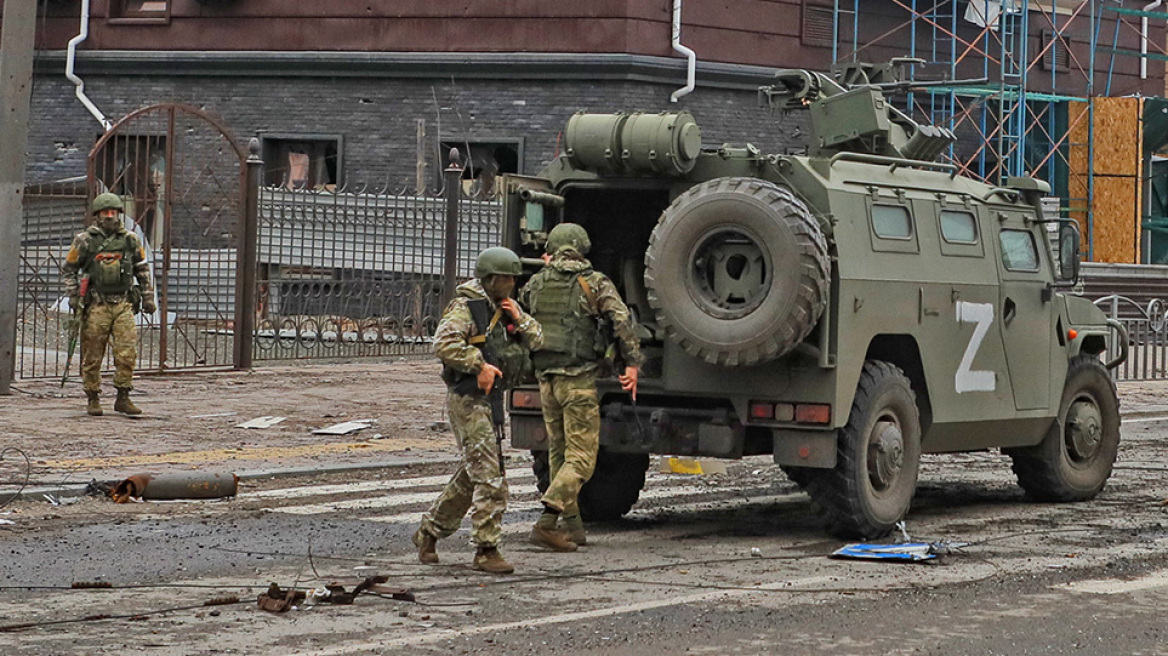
column 148, row 305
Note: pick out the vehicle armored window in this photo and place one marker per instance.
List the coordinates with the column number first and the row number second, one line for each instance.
column 1018, row 250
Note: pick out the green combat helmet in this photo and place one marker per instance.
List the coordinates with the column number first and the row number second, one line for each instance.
column 106, row 201
column 568, row 235
column 497, row 261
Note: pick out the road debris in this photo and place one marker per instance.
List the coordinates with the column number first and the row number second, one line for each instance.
column 346, row 427
column 907, row 551
column 266, row 421
column 177, row 485
column 279, row 600
column 697, row 466
column 903, row 551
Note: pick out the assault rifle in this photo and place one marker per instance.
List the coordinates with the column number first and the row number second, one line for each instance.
column 73, row 325
column 480, row 312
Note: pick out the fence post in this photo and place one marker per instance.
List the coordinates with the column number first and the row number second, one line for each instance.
column 246, row 259
column 19, row 29
column 453, row 184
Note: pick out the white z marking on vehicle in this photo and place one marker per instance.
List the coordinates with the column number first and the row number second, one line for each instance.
column 966, row 379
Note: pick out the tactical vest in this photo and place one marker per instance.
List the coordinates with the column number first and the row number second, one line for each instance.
column 500, row 347
column 570, row 332
column 111, row 262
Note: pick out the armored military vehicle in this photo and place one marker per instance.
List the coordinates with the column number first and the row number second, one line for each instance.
column 845, row 310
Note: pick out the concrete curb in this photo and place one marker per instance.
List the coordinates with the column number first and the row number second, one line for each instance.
column 78, row 490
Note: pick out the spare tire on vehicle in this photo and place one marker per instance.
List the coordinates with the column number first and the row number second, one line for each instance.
column 737, row 271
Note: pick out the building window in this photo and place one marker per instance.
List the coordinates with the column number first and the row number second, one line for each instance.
column 487, row 160
column 140, row 11
column 302, row 162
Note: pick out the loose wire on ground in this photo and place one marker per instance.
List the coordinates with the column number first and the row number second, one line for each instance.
column 27, row 473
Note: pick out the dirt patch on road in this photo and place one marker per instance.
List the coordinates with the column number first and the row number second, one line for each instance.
column 190, row 420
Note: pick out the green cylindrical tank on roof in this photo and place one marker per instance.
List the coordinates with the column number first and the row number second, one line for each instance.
column 667, row 143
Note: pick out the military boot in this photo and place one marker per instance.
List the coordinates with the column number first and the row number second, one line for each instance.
column 488, row 559
column 573, row 527
column 550, row 538
column 94, row 405
column 123, row 403
column 427, row 547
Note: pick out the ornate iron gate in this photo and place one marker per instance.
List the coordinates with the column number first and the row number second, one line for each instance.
column 181, row 176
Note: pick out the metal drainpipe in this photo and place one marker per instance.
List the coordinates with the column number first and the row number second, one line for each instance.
column 1144, row 39
column 690, row 54
column 72, row 77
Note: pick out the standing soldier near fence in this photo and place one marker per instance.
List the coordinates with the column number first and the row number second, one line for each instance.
column 109, row 259
column 483, row 341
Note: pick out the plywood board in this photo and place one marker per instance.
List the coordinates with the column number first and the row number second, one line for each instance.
column 1117, row 219
column 1118, row 124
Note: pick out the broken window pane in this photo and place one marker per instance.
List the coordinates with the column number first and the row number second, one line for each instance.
column 483, row 162
column 302, row 162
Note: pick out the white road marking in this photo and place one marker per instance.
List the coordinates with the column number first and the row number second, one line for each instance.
column 363, row 486
column 446, row 634
column 396, row 500
column 1118, row 586
column 402, row 484
column 1140, row 420
column 515, row 507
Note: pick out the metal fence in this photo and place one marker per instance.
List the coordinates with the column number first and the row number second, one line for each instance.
column 1146, row 335
column 358, row 273
column 53, row 213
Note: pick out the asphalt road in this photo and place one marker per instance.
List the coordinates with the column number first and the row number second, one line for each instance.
column 733, row 563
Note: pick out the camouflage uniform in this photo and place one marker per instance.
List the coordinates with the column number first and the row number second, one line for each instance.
column 567, row 385
column 108, row 314
column 479, row 481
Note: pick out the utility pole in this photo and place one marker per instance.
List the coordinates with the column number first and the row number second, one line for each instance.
column 17, row 40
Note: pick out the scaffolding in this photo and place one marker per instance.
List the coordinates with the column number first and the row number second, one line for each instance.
column 1017, row 109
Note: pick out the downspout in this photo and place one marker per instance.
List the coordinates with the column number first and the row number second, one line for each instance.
column 691, row 73
column 1144, row 39
column 72, row 77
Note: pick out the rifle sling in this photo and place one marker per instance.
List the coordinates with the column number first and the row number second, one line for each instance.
column 589, row 295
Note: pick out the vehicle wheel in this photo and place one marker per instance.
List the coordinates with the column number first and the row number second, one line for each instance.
column 737, row 271
column 1074, row 461
column 879, row 452
column 613, row 489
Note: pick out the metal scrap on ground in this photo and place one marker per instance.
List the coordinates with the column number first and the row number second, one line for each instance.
column 344, row 428
column 178, row 485
column 261, row 422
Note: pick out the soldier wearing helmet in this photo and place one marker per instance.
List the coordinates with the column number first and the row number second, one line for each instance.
column 110, row 259
column 571, row 300
column 482, row 325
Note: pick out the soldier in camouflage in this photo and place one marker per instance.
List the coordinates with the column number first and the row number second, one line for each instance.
column 464, row 345
column 112, row 259
column 571, row 300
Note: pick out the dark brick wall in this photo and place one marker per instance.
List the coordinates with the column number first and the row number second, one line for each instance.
column 376, row 117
